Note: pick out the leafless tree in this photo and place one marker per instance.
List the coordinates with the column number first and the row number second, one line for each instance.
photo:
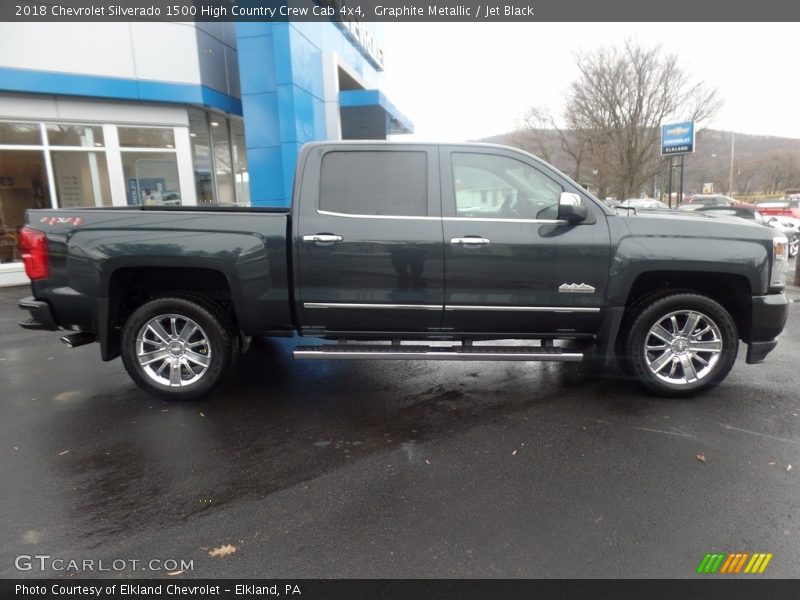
column 614, row 110
column 781, row 170
column 540, row 133
column 625, row 94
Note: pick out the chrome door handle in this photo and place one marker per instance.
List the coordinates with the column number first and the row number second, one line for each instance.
column 324, row 238
column 469, row 241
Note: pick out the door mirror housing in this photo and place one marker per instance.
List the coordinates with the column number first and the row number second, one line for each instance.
column 571, row 209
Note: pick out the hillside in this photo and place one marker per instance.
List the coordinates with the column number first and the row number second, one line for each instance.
column 762, row 164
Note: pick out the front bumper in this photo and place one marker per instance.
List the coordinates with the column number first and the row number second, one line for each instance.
column 769, row 317
column 41, row 315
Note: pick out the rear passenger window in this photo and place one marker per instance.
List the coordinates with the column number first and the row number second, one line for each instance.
column 392, row 183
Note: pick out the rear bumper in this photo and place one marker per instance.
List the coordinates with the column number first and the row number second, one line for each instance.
column 41, row 317
column 769, row 317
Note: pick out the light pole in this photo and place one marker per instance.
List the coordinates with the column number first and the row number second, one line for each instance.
column 730, row 180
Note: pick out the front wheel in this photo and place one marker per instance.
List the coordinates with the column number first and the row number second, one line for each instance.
column 681, row 344
column 178, row 348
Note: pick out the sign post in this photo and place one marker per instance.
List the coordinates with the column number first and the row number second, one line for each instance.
column 677, row 139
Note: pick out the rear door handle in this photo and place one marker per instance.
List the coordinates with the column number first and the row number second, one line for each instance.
column 322, row 238
column 470, row 241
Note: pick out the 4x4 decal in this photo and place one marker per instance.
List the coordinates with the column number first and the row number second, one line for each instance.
column 62, row 221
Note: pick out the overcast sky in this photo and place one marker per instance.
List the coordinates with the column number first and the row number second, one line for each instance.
column 460, row 81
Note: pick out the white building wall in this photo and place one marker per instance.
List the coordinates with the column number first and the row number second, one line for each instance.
column 187, row 53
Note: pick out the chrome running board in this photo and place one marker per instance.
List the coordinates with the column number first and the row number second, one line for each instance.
column 398, row 352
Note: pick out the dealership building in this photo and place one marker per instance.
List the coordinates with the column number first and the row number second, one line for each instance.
column 124, row 114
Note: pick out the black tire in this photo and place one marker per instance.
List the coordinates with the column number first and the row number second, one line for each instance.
column 794, row 245
column 218, row 346
column 695, row 376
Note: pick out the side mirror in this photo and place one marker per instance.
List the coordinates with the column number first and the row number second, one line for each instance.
column 570, row 208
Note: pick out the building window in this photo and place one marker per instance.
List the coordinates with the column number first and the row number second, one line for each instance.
column 219, row 159
column 151, row 178
column 200, row 137
column 150, row 165
column 81, row 179
column 23, row 185
column 23, row 134
column 84, row 136
column 240, row 162
column 146, row 137
column 80, row 169
column 223, row 159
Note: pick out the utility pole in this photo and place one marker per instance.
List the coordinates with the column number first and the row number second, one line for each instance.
column 730, row 180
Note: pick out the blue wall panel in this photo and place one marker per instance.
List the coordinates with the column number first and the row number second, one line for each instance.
column 267, row 179
column 74, row 84
column 262, row 120
column 259, row 76
column 283, row 96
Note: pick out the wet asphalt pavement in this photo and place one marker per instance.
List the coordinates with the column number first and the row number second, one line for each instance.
column 394, row 469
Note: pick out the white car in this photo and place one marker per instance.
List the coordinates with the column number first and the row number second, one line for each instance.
column 789, row 226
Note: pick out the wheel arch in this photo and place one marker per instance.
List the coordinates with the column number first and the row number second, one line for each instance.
column 732, row 291
column 129, row 286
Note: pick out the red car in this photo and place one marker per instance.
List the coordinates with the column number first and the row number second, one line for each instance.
column 786, row 207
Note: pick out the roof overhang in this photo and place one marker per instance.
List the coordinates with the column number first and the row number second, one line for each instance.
column 368, row 114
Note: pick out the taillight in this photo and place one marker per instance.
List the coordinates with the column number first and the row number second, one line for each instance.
column 33, row 247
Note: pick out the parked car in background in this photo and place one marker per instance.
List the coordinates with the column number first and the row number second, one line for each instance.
column 691, row 202
column 643, row 204
column 788, row 206
column 741, row 212
column 788, row 226
column 709, row 200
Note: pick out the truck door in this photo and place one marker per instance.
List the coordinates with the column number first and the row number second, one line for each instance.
column 368, row 240
column 511, row 267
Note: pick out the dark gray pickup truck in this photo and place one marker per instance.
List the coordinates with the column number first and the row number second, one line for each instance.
column 410, row 251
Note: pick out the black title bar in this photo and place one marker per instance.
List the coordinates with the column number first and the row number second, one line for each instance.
column 400, row 10
column 177, row 588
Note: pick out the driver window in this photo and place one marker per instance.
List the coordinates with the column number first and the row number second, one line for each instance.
column 490, row 186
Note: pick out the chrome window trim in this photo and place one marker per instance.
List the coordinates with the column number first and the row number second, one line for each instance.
column 372, row 305
column 331, row 213
column 456, row 307
column 559, row 309
column 493, row 220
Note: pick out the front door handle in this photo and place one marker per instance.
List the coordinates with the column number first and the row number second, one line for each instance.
column 469, row 241
column 322, row 238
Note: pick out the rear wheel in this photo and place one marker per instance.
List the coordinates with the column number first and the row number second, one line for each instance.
column 681, row 344
column 178, row 348
column 794, row 245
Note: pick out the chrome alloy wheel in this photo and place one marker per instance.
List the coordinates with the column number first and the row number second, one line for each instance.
column 794, row 245
column 682, row 347
column 173, row 350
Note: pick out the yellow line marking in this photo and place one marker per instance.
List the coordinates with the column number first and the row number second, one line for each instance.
column 752, row 562
column 765, row 563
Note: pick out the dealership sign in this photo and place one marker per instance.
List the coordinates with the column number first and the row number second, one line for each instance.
column 677, row 138
column 350, row 19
